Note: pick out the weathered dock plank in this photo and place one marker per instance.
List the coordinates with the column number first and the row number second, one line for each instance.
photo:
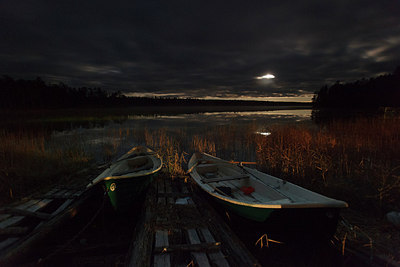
column 31, row 221
column 217, row 258
column 175, row 231
column 200, row 257
column 161, row 240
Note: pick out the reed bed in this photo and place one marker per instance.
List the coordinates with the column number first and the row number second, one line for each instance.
column 357, row 160
column 337, row 159
column 29, row 162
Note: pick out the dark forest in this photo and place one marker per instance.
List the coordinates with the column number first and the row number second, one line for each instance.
column 36, row 94
column 382, row 91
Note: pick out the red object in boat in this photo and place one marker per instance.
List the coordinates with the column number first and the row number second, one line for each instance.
column 247, row 190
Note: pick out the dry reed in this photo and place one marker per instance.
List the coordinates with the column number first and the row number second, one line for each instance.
column 29, row 162
column 341, row 158
column 338, row 159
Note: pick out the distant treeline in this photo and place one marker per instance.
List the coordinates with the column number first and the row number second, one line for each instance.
column 383, row 91
column 36, row 94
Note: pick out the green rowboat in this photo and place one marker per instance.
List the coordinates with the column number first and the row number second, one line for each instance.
column 128, row 177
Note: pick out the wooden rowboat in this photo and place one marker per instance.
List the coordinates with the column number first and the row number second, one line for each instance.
column 128, row 177
column 260, row 197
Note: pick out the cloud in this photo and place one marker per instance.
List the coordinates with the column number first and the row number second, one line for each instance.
column 200, row 48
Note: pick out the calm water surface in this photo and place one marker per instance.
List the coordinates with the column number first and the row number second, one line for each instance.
column 120, row 134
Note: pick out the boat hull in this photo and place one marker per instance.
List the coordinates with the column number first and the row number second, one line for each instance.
column 124, row 192
column 288, row 224
column 251, row 213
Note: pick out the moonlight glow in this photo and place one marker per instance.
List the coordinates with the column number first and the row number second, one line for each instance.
column 266, row 76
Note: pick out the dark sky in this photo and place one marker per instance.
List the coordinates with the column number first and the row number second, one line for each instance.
column 199, row 48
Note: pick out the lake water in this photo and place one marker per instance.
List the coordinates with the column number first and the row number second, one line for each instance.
column 120, row 134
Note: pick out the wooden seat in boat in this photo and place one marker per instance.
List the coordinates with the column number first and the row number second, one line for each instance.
column 225, row 178
column 207, row 168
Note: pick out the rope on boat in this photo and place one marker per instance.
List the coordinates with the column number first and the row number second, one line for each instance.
column 42, row 260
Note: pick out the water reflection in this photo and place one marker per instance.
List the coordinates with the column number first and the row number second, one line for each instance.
column 119, row 136
column 227, row 133
column 263, row 133
column 219, row 118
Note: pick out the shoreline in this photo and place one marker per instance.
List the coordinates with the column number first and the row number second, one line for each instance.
column 27, row 115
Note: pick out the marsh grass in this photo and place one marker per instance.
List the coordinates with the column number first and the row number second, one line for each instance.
column 337, row 159
column 357, row 160
column 29, row 162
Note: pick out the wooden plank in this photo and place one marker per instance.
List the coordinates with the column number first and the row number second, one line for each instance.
column 185, row 189
column 162, row 201
column 30, row 205
column 40, row 204
column 27, row 204
column 78, row 193
column 193, row 236
column 63, row 206
column 200, row 257
column 51, row 192
column 217, row 258
column 225, row 178
column 59, row 197
column 207, row 235
column 64, row 193
column 162, row 260
column 17, row 248
column 58, row 210
column 173, row 194
column 190, row 201
column 14, row 231
column 8, row 242
column 4, row 216
column 168, row 187
column 201, row 247
column 170, row 200
column 60, row 194
column 27, row 213
column 238, row 254
column 70, row 193
column 161, row 186
column 161, row 240
column 10, row 221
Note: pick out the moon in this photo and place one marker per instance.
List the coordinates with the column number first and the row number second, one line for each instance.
column 266, row 76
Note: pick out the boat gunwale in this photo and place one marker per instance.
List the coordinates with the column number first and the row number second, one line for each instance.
column 208, row 188
column 135, row 174
column 154, row 156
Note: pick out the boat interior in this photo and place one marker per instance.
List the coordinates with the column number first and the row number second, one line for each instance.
column 135, row 164
column 235, row 183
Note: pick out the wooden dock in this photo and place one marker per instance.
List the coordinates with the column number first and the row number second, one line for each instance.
column 178, row 228
column 24, row 223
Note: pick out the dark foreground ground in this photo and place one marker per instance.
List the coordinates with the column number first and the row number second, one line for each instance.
column 98, row 236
